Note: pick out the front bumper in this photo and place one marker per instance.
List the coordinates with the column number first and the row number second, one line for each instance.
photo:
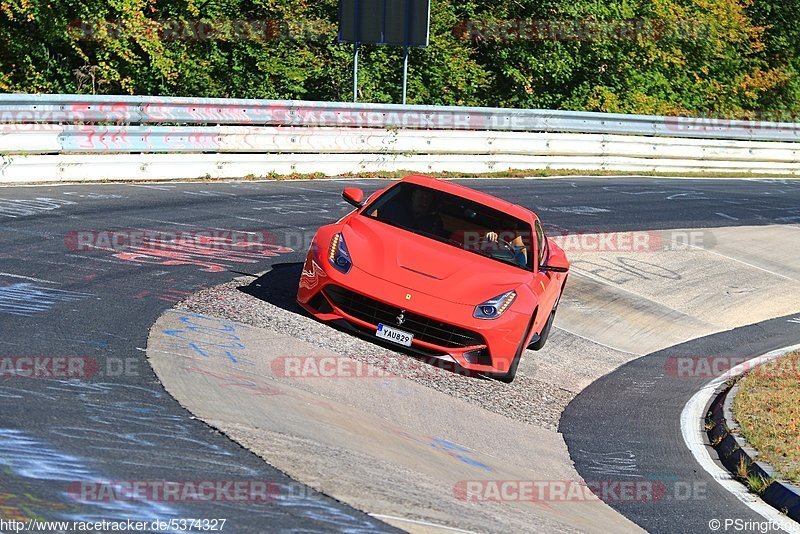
column 363, row 301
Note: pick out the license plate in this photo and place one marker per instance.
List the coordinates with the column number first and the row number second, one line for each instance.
column 394, row 335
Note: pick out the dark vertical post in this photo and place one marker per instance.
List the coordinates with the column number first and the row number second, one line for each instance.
column 406, row 40
column 357, row 29
column 355, row 72
column 405, row 72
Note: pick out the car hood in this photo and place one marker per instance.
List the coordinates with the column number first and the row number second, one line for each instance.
column 426, row 265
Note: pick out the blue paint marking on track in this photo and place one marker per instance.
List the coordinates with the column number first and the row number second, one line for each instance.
column 218, row 331
column 459, row 452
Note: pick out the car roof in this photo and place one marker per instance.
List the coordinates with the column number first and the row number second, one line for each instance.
column 471, row 194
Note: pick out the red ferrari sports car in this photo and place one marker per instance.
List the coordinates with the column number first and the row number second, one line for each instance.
column 444, row 270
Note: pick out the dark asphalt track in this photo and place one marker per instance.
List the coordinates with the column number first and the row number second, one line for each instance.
column 626, row 427
column 58, row 301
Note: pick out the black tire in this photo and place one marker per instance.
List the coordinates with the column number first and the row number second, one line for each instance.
column 539, row 343
column 509, row 375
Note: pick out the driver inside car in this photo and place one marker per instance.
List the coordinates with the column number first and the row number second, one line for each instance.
column 506, row 240
column 519, row 249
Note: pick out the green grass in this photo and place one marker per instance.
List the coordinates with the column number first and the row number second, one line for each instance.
column 537, row 173
column 767, row 408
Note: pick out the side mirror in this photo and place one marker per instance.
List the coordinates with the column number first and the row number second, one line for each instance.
column 556, row 263
column 353, row 196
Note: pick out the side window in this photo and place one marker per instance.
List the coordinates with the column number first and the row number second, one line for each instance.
column 540, row 242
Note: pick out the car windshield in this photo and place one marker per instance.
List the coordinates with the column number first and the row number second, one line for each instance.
column 456, row 221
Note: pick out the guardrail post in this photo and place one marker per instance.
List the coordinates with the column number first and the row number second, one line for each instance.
column 405, row 73
column 355, row 72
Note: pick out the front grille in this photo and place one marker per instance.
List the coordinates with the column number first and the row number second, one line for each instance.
column 423, row 328
column 319, row 303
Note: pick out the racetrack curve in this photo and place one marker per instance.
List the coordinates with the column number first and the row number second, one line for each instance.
column 59, row 298
column 642, row 402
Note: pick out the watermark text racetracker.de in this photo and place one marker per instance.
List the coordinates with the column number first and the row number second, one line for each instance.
column 723, row 365
column 127, row 525
column 575, row 29
column 125, row 239
column 478, row 30
column 774, row 121
column 175, row 491
column 67, row 367
column 378, row 367
column 631, row 490
column 212, row 250
column 218, row 29
column 634, row 241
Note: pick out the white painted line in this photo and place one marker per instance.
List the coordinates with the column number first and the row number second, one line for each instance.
column 422, row 523
column 168, row 222
column 737, row 261
column 692, row 419
column 92, row 258
column 617, row 349
column 107, row 249
column 576, row 210
column 600, row 280
column 27, row 278
column 165, row 187
column 250, row 219
column 688, row 196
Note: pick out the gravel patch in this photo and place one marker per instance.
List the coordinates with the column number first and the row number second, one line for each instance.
column 527, row 399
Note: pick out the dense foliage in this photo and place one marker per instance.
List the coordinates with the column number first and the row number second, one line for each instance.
column 735, row 58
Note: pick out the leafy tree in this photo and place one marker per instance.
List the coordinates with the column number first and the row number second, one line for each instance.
column 730, row 57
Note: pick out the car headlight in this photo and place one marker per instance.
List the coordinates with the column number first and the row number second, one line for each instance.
column 494, row 308
column 339, row 255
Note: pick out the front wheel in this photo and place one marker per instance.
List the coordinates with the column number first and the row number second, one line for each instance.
column 539, row 343
column 509, row 376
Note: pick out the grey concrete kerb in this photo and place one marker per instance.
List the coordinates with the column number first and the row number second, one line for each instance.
column 736, row 454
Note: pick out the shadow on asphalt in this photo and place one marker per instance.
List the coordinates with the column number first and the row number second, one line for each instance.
column 278, row 286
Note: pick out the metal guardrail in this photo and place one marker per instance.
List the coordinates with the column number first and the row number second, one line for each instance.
column 72, row 109
column 75, row 137
column 91, row 167
column 71, row 139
